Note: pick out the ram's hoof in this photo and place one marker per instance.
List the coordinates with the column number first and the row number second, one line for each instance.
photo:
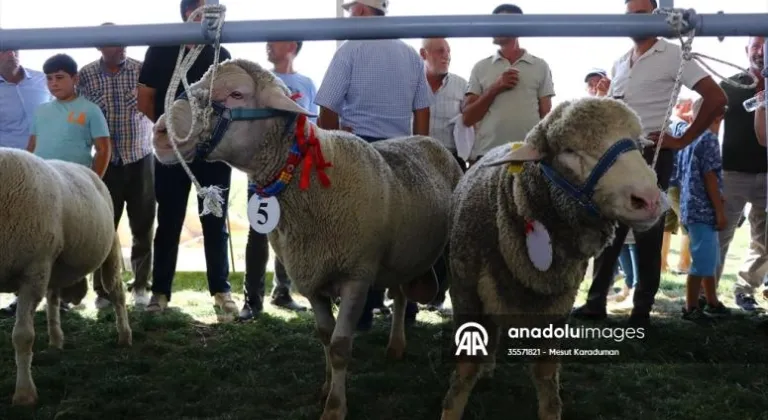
column 25, row 398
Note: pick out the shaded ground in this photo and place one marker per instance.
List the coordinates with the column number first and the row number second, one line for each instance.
column 184, row 366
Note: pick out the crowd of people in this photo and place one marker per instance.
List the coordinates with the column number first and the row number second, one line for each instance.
column 101, row 115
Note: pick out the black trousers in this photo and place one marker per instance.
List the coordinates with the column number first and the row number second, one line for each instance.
column 132, row 187
column 441, row 265
column 462, row 162
column 256, row 258
column 648, row 245
column 172, row 187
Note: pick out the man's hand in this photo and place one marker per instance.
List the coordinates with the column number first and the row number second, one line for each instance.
column 506, row 81
column 721, row 222
column 669, row 141
column 602, row 87
column 760, row 99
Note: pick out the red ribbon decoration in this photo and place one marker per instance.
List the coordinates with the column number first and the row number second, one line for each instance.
column 313, row 155
column 528, row 227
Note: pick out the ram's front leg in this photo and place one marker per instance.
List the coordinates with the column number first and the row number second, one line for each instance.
column 546, row 378
column 33, row 284
column 468, row 370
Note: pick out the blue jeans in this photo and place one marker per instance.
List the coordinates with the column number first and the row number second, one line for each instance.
column 172, row 186
column 628, row 261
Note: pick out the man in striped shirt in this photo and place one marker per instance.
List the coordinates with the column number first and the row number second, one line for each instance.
column 448, row 90
column 111, row 83
column 376, row 89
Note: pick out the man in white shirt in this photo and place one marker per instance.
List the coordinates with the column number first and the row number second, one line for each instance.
column 643, row 78
column 448, row 90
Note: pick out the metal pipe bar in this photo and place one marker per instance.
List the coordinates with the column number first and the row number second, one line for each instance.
column 469, row 26
column 666, row 4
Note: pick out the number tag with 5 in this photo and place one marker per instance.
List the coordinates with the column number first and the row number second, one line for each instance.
column 263, row 213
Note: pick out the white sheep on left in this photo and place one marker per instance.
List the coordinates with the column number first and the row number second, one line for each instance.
column 57, row 228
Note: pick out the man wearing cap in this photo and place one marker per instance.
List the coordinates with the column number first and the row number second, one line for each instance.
column 508, row 93
column 376, row 89
column 597, row 82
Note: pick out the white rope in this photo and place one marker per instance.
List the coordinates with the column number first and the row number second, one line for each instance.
column 676, row 19
column 214, row 14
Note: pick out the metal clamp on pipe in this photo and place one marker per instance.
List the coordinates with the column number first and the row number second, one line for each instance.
column 210, row 21
column 721, row 38
column 686, row 20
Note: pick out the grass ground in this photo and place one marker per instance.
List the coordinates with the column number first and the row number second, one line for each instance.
column 184, row 366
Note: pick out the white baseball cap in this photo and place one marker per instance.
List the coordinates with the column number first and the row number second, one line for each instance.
column 381, row 5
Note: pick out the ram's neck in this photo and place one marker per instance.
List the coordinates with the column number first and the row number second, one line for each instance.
column 570, row 225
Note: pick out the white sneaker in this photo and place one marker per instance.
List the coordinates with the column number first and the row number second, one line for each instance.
column 102, row 303
column 628, row 302
column 158, row 303
column 225, row 307
column 140, row 297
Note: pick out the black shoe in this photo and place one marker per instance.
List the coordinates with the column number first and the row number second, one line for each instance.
column 64, row 307
column 717, row 311
column 696, row 315
column 9, row 311
column 586, row 313
column 383, row 310
column 285, row 301
column 249, row 312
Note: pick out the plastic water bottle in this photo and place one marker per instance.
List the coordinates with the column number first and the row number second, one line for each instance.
column 754, row 102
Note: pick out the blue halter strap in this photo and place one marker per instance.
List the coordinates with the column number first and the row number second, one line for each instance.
column 224, row 116
column 583, row 194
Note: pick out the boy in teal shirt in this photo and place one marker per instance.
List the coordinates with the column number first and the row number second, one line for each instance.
column 69, row 127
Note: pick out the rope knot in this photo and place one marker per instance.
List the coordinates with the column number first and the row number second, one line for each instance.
column 213, row 202
column 200, row 107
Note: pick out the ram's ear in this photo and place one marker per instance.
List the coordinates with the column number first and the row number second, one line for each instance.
column 519, row 152
column 274, row 97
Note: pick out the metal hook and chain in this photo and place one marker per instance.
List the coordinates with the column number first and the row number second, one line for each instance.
column 680, row 21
